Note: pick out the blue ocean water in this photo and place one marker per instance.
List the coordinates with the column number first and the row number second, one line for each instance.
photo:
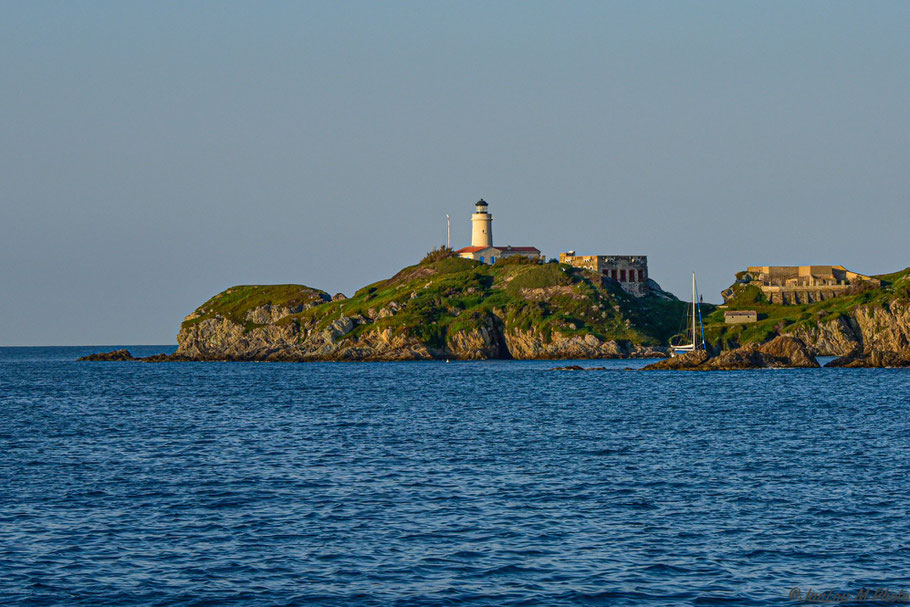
column 481, row 483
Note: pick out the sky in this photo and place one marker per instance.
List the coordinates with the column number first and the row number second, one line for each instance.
column 156, row 153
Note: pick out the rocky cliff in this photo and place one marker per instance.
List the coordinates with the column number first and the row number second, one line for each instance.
column 882, row 326
column 441, row 308
column 780, row 353
column 866, row 320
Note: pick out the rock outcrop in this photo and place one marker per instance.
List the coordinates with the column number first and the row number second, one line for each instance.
column 444, row 309
column 779, row 353
column 113, row 355
column 125, row 355
column 870, row 316
column 534, row 346
column 684, row 362
column 304, row 340
column 859, row 359
column 881, row 327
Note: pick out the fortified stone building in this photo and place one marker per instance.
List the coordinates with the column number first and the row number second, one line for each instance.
column 631, row 271
column 801, row 284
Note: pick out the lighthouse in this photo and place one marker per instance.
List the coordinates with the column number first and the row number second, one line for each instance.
column 482, row 248
column 482, row 226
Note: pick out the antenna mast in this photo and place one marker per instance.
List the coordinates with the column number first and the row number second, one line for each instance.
column 448, row 232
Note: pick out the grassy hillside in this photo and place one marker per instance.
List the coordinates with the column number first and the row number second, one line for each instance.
column 444, row 295
column 774, row 319
column 234, row 303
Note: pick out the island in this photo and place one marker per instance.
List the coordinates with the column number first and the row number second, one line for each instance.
column 449, row 307
column 445, row 307
column 487, row 301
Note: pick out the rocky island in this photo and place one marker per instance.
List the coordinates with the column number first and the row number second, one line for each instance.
column 445, row 307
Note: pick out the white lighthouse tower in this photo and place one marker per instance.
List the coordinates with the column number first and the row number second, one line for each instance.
column 482, row 226
column 482, row 248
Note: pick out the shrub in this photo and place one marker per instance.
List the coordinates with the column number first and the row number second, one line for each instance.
column 438, row 254
column 515, row 260
column 860, row 286
column 903, row 291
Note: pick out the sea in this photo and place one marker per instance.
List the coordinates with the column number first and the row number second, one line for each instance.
column 461, row 483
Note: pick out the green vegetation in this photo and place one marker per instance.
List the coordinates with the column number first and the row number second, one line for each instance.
column 894, row 277
column 775, row 319
column 438, row 254
column 445, row 295
column 236, row 302
column 437, row 299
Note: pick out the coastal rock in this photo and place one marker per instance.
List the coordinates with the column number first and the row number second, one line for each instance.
column 788, row 351
column 114, row 355
column 444, row 308
column 532, row 345
column 486, row 341
column 883, row 327
column 781, row 352
column 690, row 360
column 833, row 338
column 342, row 326
column 268, row 313
column 873, row 359
column 125, row 356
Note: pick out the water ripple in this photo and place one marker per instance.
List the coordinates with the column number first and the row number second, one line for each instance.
column 431, row 484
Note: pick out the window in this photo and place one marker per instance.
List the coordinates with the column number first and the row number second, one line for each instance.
column 492, row 260
column 481, row 259
column 622, row 276
column 615, row 275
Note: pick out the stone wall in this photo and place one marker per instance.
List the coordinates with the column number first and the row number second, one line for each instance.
column 630, row 271
column 802, row 295
column 801, row 284
column 738, row 317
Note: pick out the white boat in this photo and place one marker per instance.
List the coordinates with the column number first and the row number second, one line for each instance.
column 695, row 330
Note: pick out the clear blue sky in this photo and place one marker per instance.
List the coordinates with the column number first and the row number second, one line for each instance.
column 156, row 153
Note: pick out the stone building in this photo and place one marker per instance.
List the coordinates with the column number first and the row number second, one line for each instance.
column 801, row 284
column 740, row 317
column 482, row 248
column 631, row 271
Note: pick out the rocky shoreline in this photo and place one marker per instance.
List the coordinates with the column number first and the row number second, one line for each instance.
column 125, row 356
column 782, row 352
column 446, row 308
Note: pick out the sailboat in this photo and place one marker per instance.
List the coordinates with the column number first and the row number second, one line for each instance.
column 695, row 329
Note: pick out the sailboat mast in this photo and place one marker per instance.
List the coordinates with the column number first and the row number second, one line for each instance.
column 694, row 325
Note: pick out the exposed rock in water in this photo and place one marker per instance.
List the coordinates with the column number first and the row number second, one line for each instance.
column 114, row 355
column 779, row 353
column 125, row 356
column 789, row 351
column 690, row 360
column 870, row 359
column 577, row 368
